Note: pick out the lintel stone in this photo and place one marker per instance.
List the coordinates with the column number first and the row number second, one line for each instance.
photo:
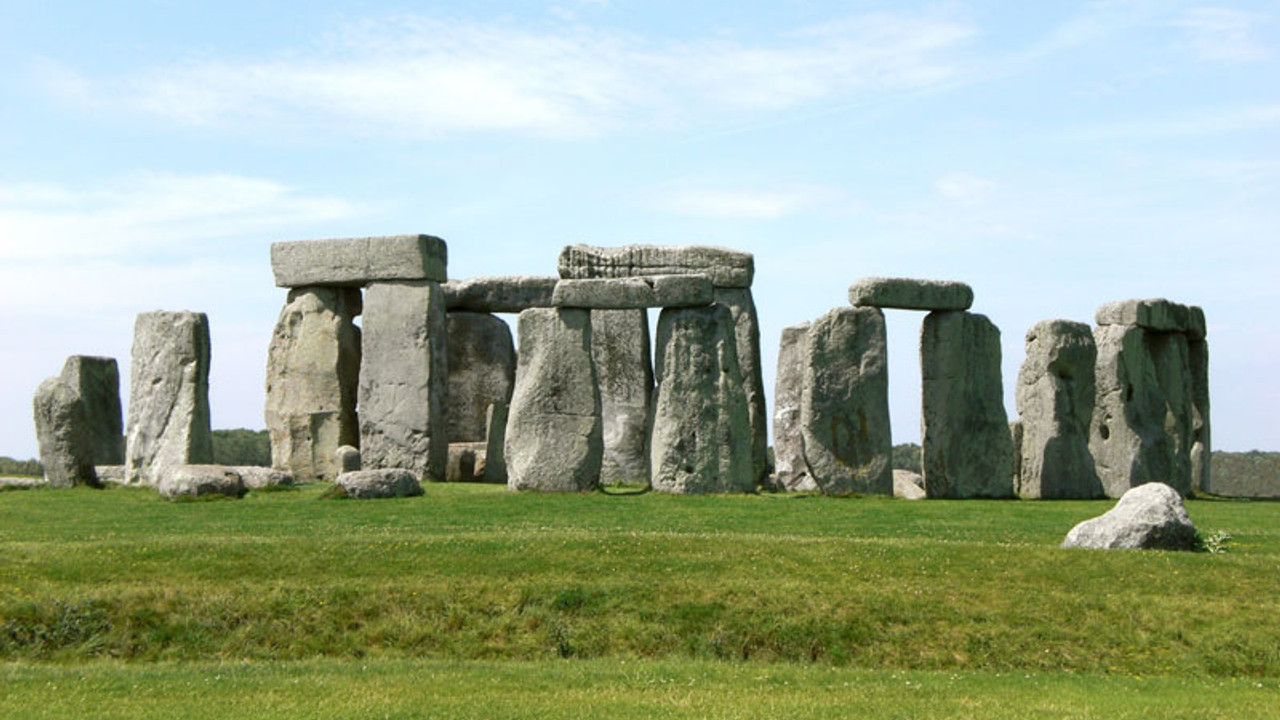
column 725, row 267
column 1155, row 314
column 910, row 294
column 507, row 294
column 358, row 261
column 635, row 293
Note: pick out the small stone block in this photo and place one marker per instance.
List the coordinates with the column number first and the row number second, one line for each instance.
column 359, row 261
column 910, row 294
column 635, row 293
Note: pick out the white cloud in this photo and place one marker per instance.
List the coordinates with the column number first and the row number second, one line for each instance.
column 964, row 187
column 744, row 204
column 1222, row 34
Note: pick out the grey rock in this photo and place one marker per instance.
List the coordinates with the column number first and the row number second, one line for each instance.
column 380, row 483
column 404, row 379
column 634, row 293
column 554, row 437
column 726, row 268
column 359, row 261
column 1197, row 329
column 844, row 403
column 1015, row 432
column 168, row 394
column 790, row 470
column 1156, row 314
column 175, row 481
column 482, row 371
column 509, row 294
column 746, row 329
column 910, row 294
column 22, row 483
column 701, row 433
column 313, row 372
column 258, row 478
column 620, row 350
column 347, row 459
column 62, row 432
column 967, row 447
column 466, row 462
column 115, row 474
column 1201, row 430
column 97, row 381
column 908, row 485
column 1055, row 395
column 1148, row 517
column 495, row 459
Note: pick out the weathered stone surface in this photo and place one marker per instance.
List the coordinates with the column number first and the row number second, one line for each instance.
column 1156, row 314
column 97, row 381
column 746, row 329
column 1055, row 395
column 620, row 349
column 725, row 267
column 175, row 481
column 380, row 483
column 509, row 294
column 22, row 483
column 790, row 470
column 908, row 485
column 495, row 458
column 1201, row 445
column 482, row 371
column 1197, row 329
column 634, row 293
column 347, row 459
column 910, row 294
column 313, row 371
column 62, row 432
column 968, row 450
column 168, row 394
column 1141, row 428
column 466, row 462
column 111, row 474
column 844, row 403
column 1148, row 517
column 1015, row 431
column 403, row 379
column 359, row 261
column 257, row 478
column 554, row 437
column 701, row 433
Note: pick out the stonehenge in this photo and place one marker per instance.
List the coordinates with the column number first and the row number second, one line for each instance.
column 620, row 350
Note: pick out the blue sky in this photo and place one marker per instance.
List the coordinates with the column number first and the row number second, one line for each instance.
column 1056, row 156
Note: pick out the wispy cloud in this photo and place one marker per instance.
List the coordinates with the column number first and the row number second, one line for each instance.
column 964, row 187
column 1213, row 121
column 1223, row 34
column 744, row 203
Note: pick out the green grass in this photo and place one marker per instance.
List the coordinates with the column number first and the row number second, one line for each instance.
column 472, row 581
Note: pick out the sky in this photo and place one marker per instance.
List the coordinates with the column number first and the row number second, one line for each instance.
column 1055, row 156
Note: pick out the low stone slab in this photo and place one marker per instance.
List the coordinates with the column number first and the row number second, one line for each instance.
column 910, row 294
column 725, row 267
column 1156, row 314
column 21, row 483
column 1148, row 517
column 635, row 293
column 359, row 261
column 258, row 478
column 509, row 294
column 111, row 474
column 176, row 481
column 908, row 485
column 384, row 483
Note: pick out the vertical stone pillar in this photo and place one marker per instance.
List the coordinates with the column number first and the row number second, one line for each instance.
column 554, row 437
column 968, row 449
column 62, row 432
column 620, row 349
column 482, row 371
column 844, row 403
column 495, row 441
column 790, row 470
column 1201, row 447
column 168, row 395
column 701, row 436
column 97, row 382
column 313, row 371
column 746, row 328
column 1055, row 395
column 403, row 379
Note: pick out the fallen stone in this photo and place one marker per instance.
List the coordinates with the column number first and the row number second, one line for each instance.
column 1055, row 395
column 176, row 481
column 466, row 462
column 1148, row 517
column 726, row 268
column 908, row 485
column 844, row 403
column 259, row 478
column 910, row 294
column 168, row 394
column 347, row 459
column 620, row 350
column 482, row 371
column 403, row 379
column 114, row 474
column 746, row 330
column 381, row 483
column 62, row 433
column 554, row 437
column 22, row 483
column 97, row 381
column 634, row 293
column 1156, row 314
column 967, row 447
column 790, row 470
column 511, row 294
column 701, row 433
column 359, row 261
column 495, row 459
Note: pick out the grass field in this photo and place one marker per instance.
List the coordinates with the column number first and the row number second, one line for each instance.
column 476, row 602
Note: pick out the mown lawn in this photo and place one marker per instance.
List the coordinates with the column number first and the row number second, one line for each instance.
column 846, row 599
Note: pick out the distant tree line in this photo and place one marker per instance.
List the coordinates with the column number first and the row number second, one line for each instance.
column 242, row 447
column 21, row 468
column 907, row 457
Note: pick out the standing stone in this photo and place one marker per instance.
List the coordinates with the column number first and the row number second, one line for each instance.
column 495, row 440
column 1055, row 402
column 701, row 435
column 554, row 441
column 620, row 349
column 482, row 371
column 1201, row 447
column 790, row 470
column 313, row 371
column 844, row 403
column 97, row 381
column 403, row 379
column 968, row 450
column 168, row 395
column 62, row 432
column 746, row 328
column 347, row 459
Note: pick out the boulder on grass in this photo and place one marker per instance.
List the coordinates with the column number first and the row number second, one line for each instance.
column 191, row 481
column 908, row 485
column 384, row 483
column 257, row 478
column 1148, row 517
